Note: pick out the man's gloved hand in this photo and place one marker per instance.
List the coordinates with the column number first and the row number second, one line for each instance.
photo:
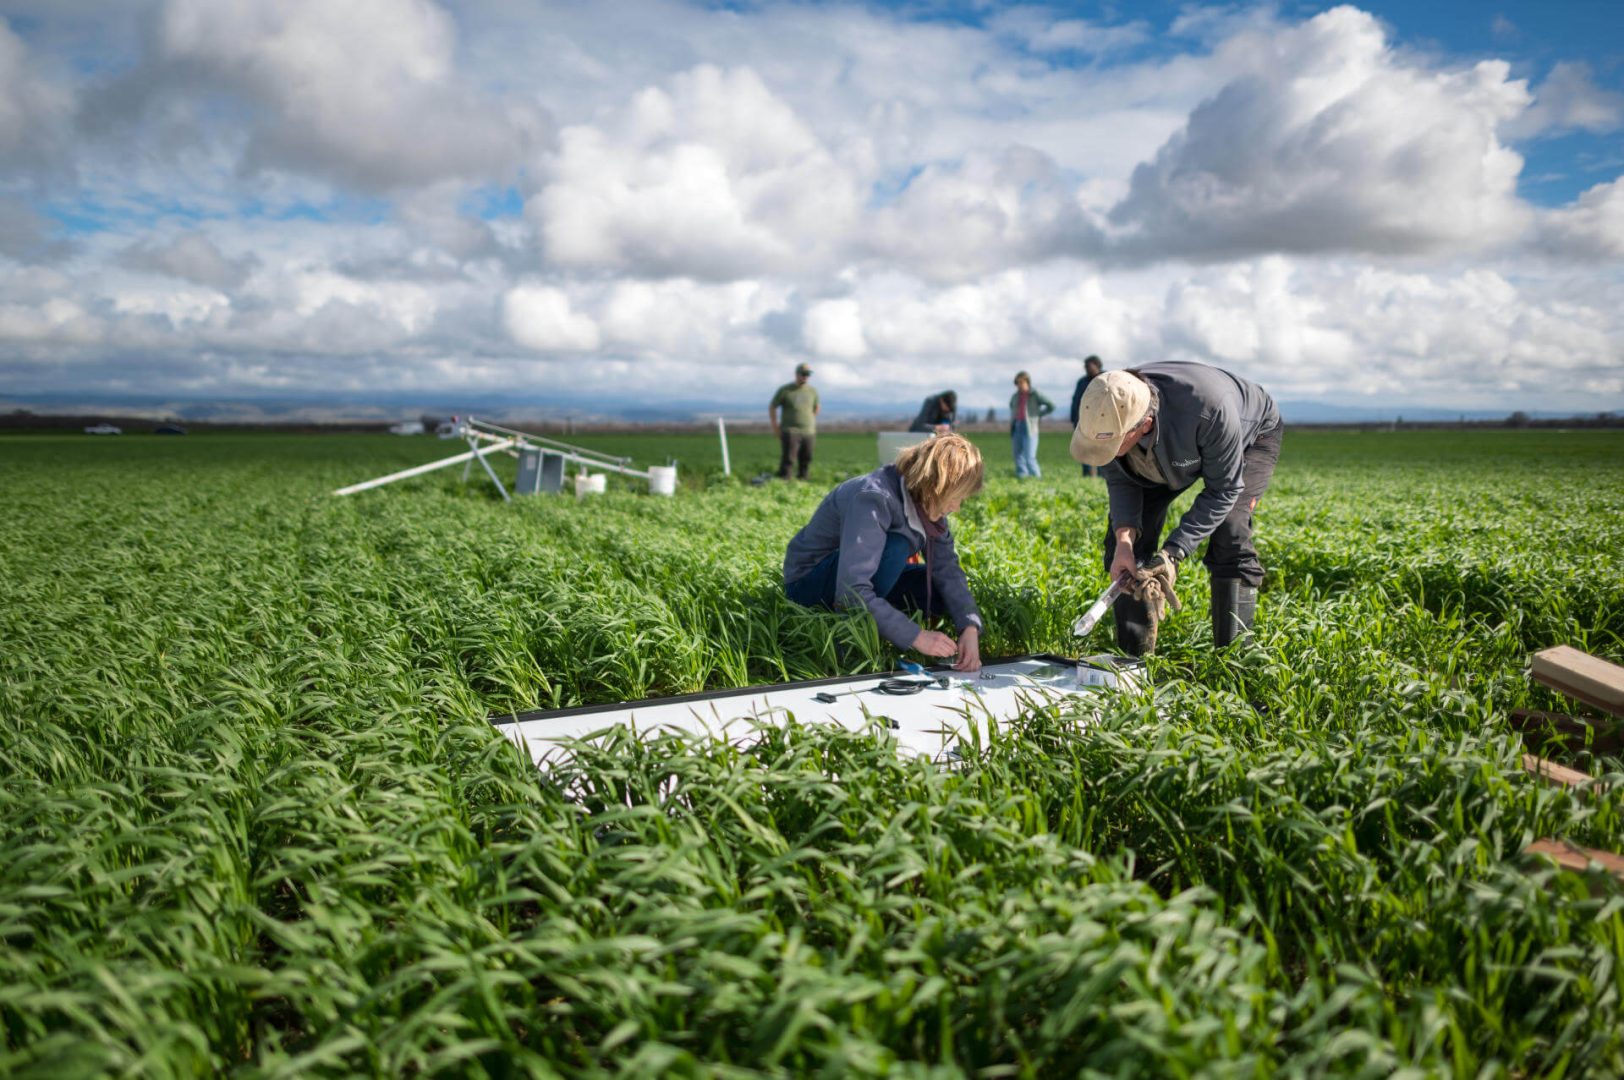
column 1153, row 584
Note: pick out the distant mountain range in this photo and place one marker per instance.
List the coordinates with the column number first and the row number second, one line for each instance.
column 389, row 407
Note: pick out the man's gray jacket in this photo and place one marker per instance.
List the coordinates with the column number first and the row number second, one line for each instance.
column 1205, row 420
column 854, row 519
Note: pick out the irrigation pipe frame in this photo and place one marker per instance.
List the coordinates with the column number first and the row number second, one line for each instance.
column 470, row 456
column 510, row 441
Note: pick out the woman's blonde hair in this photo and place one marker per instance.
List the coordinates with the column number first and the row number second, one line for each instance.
column 938, row 469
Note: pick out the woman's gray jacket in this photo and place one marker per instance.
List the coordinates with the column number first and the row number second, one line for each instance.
column 854, row 520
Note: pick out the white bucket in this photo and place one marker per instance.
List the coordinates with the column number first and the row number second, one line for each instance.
column 662, row 479
column 589, row 485
column 892, row 443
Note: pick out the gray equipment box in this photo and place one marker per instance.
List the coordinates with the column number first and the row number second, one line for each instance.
column 540, row 472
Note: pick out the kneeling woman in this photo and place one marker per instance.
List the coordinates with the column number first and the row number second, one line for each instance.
column 856, row 548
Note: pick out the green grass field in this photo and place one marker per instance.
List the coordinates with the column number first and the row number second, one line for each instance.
column 253, row 820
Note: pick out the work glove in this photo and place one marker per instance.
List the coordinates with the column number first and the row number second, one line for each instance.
column 1153, row 585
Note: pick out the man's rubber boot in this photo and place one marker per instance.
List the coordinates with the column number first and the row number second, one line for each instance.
column 1135, row 633
column 1234, row 605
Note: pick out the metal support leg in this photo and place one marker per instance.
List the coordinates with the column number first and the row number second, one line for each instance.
column 492, row 473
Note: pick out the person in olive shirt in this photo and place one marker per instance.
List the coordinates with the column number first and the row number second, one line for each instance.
column 798, row 431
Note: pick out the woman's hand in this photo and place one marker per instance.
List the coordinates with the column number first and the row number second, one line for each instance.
column 932, row 643
column 969, row 655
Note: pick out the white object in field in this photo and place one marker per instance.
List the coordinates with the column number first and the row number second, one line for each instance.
column 589, row 485
column 662, row 479
column 1111, row 671
column 541, row 472
column 523, row 445
column 721, row 436
column 419, row 470
column 931, row 722
column 892, row 443
column 1096, row 611
column 407, row 427
column 592, row 459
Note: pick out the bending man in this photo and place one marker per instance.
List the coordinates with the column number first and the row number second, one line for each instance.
column 856, row 548
column 1156, row 430
column 938, row 413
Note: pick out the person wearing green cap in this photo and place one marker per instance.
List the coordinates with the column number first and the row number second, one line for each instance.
column 797, row 403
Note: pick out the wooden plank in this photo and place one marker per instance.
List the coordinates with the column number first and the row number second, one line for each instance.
column 1579, row 675
column 1557, row 774
column 1569, row 732
column 1576, row 858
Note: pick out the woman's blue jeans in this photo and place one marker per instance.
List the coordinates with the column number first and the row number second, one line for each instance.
column 902, row 584
column 1023, row 441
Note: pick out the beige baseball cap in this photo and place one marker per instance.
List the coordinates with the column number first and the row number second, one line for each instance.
column 1113, row 405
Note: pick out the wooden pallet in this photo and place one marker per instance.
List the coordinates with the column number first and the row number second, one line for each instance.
column 1595, row 682
column 1571, row 733
column 1556, row 774
column 1578, row 859
column 1582, row 677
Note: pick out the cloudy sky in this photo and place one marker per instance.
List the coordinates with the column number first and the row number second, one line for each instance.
column 274, row 204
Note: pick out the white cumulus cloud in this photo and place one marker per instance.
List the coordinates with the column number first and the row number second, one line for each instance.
column 365, row 91
column 34, row 110
column 683, row 318
column 834, row 328
column 242, row 197
column 715, row 178
column 1331, row 141
column 540, row 317
column 191, row 257
column 1467, row 337
column 985, row 213
column 1569, row 100
column 1592, row 227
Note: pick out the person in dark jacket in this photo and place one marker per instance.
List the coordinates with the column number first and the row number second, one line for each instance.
column 1091, row 367
column 856, row 548
column 1026, row 408
column 1156, row 430
column 938, row 414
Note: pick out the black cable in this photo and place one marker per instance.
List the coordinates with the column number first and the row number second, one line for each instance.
column 893, row 687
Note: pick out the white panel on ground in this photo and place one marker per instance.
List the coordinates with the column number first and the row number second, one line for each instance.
column 892, row 443
column 929, row 721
